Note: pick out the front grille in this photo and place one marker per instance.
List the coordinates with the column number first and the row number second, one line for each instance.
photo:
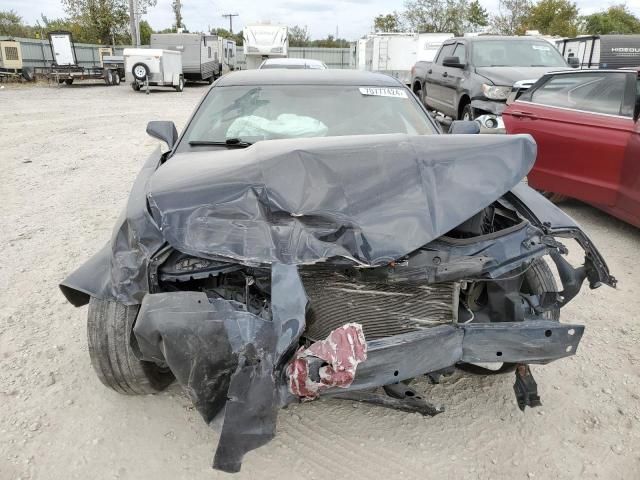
column 382, row 309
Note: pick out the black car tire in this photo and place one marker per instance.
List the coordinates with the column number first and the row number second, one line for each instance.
column 467, row 112
column 69, row 81
column 138, row 69
column 109, row 335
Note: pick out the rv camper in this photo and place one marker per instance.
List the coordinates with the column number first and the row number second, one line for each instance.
column 601, row 51
column 227, row 52
column 200, row 58
column 395, row 53
column 264, row 41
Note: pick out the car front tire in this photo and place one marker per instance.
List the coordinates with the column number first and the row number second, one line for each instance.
column 109, row 335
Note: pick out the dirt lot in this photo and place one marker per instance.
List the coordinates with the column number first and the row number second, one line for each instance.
column 69, row 156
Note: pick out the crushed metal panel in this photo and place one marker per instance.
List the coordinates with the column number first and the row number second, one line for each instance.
column 305, row 200
column 228, row 360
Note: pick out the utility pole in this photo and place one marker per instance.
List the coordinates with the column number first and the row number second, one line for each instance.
column 230, row 17
column 133, row 23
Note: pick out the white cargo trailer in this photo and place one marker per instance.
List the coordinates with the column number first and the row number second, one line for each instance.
column 147, row 67
column 261, row 42
column 396, row 53
column 200, row 55
column 601, row 51
column 429, row 44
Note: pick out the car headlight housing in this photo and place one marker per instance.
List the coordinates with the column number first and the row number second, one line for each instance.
column 495, row 92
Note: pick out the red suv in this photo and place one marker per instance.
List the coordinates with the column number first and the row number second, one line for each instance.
column 586, row 126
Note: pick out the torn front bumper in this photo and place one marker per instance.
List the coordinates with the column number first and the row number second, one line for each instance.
column 233, row 364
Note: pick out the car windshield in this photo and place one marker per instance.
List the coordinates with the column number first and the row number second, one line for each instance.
column 247, row 114
column 509, row 53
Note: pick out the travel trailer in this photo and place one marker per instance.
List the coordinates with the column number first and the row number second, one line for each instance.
column 227, row 52
column 264, row 41
column 200, row 56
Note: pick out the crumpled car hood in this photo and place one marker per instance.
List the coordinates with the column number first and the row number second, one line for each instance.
column 371, row 199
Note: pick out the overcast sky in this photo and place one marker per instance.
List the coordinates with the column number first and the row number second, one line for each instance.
column 352, row 18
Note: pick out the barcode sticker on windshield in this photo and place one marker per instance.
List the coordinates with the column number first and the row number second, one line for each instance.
column 384, row 92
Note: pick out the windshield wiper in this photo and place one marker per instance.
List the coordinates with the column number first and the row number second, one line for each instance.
column 229, row 142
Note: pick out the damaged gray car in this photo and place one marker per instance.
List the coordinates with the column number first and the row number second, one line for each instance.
column 312, row 233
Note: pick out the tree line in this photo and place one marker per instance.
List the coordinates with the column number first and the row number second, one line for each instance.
column 514, row 17
column 96, row 21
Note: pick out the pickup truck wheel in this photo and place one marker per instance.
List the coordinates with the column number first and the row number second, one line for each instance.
column 467, row 112
column 109, row 335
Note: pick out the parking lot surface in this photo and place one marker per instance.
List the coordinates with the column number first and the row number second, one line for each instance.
column 69, row 156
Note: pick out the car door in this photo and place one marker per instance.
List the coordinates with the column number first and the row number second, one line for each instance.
column 452, row 78
column 435, row 95
column 628, row 205
column 582, row 123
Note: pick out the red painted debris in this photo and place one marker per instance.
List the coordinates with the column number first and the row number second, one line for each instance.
column 343, row 350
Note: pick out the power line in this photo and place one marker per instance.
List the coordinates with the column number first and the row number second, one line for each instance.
column 230, row 17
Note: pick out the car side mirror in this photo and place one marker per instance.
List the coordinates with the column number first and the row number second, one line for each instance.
column 453, row 62
column 464, row 127
column 163, row 130
column 574, row 62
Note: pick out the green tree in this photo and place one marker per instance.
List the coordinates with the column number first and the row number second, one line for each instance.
column 145, row 32
column 299, row 36
column 436, row 15
column 554, row 17
column 476, row 16
column 512, row 17
column 78, row 33
column 616, row 19
column 103, row 20
column 387, row 23
column 11, row 24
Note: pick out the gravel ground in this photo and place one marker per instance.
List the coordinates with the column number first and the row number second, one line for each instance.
column 69, row 156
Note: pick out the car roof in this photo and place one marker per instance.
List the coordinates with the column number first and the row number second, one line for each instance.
column 306, row 77
column 484, row 38
column 292, row 61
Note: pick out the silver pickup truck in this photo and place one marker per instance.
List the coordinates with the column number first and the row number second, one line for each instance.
column 470, row 77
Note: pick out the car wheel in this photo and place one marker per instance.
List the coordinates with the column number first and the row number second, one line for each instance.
column 180, row 86
column 116, row 78
column 467, row 112
column 538, row 278
column 140, row 71
column 109, row 335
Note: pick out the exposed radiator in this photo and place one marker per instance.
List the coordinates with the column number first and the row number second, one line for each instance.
column 382, row 309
